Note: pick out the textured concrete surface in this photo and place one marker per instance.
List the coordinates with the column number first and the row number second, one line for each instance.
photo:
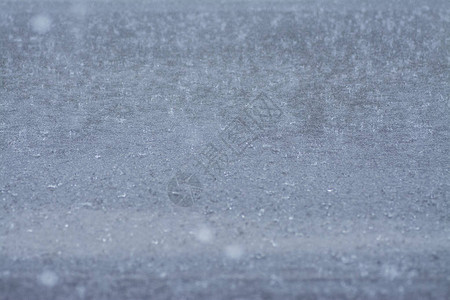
column 224, row 150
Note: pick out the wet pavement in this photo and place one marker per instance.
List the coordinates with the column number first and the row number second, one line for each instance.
column 224, row 150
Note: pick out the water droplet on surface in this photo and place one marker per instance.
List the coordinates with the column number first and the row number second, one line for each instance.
column 48, row 278
column 204, row 235
column 41, row 24
column 234, row 251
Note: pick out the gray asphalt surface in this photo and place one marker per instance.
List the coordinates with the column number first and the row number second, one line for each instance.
column 224, row 150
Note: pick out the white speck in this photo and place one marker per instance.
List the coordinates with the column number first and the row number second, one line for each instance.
column 52, row 186
column 41, row 24
column 234, row 251
column 48, row 278
column 204, row 235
